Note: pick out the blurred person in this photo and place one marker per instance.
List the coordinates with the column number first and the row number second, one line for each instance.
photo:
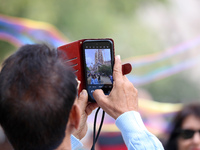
column 94, row 79
column 99, row 78
column 185, row 134
column 40, row 110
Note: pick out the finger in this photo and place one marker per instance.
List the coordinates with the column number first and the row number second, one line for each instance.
column 90, row 107
column 83, row 97
column 117, row 69
column 99, row 96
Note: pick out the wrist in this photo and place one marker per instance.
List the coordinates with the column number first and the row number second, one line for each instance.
column 118, row 114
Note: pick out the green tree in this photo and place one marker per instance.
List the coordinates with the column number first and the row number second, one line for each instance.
column 106, row 69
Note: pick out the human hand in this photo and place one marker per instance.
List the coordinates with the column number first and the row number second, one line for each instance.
column 86, row 109
column 122, row 98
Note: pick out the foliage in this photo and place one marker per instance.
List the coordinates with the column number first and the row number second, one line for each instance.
column 6, row 49
column 116, row 19
column 175, row 89
column 105, row 69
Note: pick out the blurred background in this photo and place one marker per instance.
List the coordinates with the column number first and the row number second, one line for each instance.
column 160, row 38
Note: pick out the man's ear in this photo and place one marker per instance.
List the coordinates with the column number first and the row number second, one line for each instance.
column 74, row 117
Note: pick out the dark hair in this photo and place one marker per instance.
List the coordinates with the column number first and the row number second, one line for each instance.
column 187, row 110
column 37, row 91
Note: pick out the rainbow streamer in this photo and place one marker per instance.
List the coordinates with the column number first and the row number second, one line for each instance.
column 163, row 55
column 165, row 71
column 19, row 31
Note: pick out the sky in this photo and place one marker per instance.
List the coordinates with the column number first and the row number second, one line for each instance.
column 90, row 55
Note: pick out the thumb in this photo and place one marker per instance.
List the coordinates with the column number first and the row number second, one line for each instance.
column 83, row 96
column 99, row 96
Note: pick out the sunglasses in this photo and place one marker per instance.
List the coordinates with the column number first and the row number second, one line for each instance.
column 187, row 133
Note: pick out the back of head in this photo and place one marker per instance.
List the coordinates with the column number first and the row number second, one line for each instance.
column 37, row 91
column 187, row 110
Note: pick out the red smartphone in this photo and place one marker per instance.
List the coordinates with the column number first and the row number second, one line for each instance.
column 80, row 55
column 98, row 61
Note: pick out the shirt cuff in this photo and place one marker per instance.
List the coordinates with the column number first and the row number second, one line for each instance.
column 130, row 121
column 75, row 143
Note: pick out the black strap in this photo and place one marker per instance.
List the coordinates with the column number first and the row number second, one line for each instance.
column 94, row 129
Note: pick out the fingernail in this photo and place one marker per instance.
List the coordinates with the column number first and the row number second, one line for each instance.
column 83, row 92
column 119, row 57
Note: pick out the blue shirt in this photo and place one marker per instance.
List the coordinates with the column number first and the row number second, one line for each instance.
column 134, row 133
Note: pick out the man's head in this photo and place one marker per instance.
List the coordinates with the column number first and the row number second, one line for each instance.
column 37, row 91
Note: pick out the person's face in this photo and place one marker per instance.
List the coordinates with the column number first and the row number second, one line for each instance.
column 193, row 143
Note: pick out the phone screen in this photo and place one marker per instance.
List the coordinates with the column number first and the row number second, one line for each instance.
column 98, row 62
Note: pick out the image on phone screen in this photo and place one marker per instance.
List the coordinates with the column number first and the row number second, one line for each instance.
column 98, row 64
column 98, row 68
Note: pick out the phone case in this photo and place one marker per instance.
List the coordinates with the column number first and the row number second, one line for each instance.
column 74, row 58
